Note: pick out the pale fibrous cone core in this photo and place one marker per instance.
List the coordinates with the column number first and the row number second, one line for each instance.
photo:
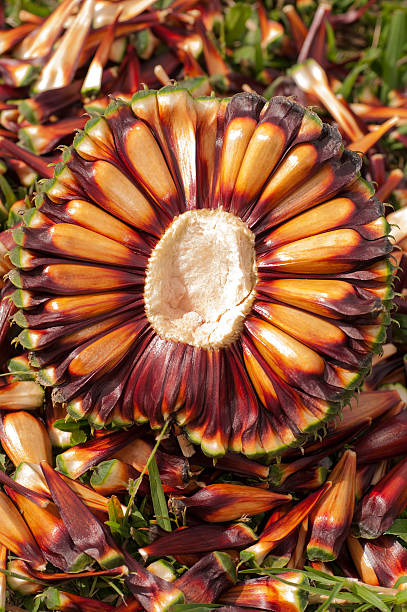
column 201, row 278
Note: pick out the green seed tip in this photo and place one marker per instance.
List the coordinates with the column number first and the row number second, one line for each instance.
column 112, row 559
column 114, row 106
column 101, row 472
column 226, row 562
column 79, row 136
column 247, row 556
column 52, row 598
column 61, row 467
column 18, row 298
column 20, row 319
column 15, row 277
column 317, row 553
column 275, row 474
column 18, row 235
column 44, row 379
column 27, row 109
column 143, row 93
column 25, row 340
column 25, row 141
column 80, row 564
column 91, row 124
column 29, row 215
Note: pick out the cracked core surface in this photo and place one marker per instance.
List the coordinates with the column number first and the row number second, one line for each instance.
column 201, row 278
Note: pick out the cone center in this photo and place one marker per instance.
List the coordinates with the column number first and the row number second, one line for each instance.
column 201, row 278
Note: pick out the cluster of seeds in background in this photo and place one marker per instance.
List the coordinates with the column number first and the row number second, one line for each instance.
column 160, row 456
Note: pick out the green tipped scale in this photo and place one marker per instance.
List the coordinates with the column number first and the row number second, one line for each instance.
column 205, row 581
column 22, row 586
column 56, row 599
column 382, row 503
column 24, row 438
column 76, row 460
column 85, row 530
column 218, row 503
column 16, row 536
column 51, row 534
column 330, row 520
column 270, row 593
column 200, row 538
column 112, row 477
column 21, row 395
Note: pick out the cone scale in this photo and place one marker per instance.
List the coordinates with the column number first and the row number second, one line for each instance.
column 269, row 593
column 224, row 255
column 219, row 503
column 331, row 519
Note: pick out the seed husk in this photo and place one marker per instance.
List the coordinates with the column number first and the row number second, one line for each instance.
column 382, row 503
column 85, row 530
column 226, row 502
column 330, row 520
column 200, row 538
column 205, row 581
column 24, row 438
column 270, row 593
column 15, row 535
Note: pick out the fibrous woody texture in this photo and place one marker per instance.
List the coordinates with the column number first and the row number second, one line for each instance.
column 315, row 297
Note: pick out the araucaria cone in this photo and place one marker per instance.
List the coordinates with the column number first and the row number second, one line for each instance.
column 223, row 254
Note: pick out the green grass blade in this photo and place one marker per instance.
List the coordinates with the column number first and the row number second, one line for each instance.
column 369, row 597
column 396, row 40
column 327, row 602
column 158, row 497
